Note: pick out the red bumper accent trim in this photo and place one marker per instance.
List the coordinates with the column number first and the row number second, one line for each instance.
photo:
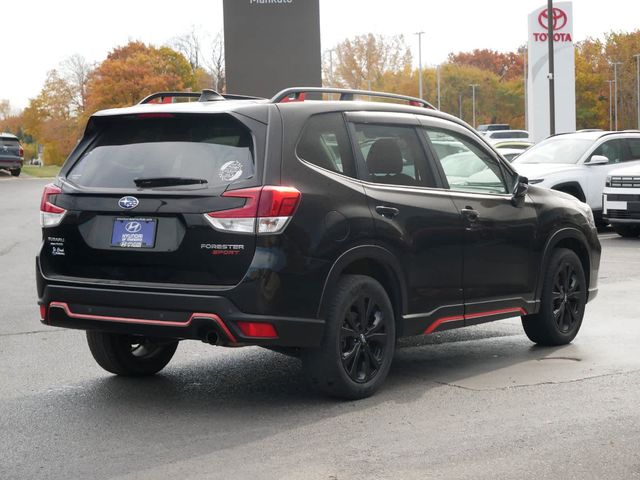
column 144, row 321
column 440, row 321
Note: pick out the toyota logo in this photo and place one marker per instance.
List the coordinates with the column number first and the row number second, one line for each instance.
column 559, row 19
column 133, row 227
column 128, row 202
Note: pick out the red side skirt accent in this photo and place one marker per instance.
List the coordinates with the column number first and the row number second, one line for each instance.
column 440, row 321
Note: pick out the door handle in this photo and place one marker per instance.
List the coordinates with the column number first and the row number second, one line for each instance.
column 470, row 214
column 387, row 212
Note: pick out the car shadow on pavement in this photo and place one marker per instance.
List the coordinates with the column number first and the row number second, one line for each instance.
column 207, row 403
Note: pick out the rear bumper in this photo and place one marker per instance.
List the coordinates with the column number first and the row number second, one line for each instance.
column 160, row 314
column 10, row 162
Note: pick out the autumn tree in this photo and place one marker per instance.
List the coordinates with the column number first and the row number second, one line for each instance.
column 621, row 47
column 507, row 66
column 362, row 61
column 134, row 71
column 592, row 89
column 50, row 118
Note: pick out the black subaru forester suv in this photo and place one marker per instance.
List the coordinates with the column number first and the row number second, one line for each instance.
column 325, row 228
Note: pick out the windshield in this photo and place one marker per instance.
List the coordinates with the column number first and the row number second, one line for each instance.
column 556, row 150
column 214, row 149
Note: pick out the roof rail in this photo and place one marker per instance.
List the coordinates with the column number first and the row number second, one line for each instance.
column 163, row 95
column 297, row 94
column 207, row 95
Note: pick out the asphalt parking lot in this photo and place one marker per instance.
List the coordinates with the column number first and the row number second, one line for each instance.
column 479, row 403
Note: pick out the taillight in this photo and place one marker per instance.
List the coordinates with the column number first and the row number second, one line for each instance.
column 50, row 215
column 21, row 152
column 267, row 210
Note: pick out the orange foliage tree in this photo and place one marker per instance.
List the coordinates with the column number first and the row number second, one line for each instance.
column 134, row 71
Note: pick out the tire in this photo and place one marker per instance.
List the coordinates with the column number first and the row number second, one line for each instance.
column 129, row 355
column 354, row 357
column 627, row 231
column 562, row 304
column 16, row 172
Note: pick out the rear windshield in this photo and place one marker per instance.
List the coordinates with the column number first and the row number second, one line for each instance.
column 215, row 148
column 9, row 142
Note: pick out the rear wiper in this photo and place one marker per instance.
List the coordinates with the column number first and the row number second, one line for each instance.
column 166, row 181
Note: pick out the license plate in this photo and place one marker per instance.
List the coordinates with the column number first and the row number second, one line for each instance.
column 134, row 232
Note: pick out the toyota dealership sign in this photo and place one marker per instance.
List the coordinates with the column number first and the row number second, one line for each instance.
column 538, row 71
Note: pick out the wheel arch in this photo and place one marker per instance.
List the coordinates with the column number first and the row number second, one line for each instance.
column 374, row 261
column 567, row 187
column 572, row 239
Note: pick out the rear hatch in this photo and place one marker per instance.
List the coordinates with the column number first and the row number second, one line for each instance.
column 136, row 200
column 9, row 147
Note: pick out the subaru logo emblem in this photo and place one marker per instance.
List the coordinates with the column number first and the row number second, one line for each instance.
column 133, row 227
column 128, row 202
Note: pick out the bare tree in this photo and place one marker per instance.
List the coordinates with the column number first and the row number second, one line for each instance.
column 75, row 70
column 189, row 45
column 5, row 109
column 215, row 63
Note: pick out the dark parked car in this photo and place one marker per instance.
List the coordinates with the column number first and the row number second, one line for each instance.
column 325, row 229
column 11, row 153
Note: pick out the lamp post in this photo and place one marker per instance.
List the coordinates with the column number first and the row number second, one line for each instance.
column 610, row 105
column 331, row 82
column 473, row 101
column 419, row 34
column 552, row 92
column 637, row 55
column 615, row 93
column 438, row 79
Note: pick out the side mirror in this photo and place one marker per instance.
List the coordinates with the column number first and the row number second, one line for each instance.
column 520, row 190
column 598, row 160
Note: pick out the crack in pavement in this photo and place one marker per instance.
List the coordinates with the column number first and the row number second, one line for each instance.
column 561, row 382
column 32, row 332
column 6, row 250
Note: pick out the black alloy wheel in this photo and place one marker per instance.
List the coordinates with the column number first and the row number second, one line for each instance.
column 567, row 297
column 363, row 338
column 562, row 303
column 358, row 344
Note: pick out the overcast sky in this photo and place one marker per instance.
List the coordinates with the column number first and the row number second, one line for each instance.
column 35, row 36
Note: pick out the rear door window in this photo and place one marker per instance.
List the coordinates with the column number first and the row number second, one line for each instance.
column 215, row 148
column 325, row 143
column 393, row 155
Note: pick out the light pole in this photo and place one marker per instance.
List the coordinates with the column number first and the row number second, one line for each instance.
column 610, row 105
column 438, row 78
column 473, row 96
column 552, row 89
column 419, row 34
column 637, row 55
column 615, row 92
column 331, row 66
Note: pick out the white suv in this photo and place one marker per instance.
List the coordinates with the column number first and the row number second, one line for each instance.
column 579, row 163
column 621, row 201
